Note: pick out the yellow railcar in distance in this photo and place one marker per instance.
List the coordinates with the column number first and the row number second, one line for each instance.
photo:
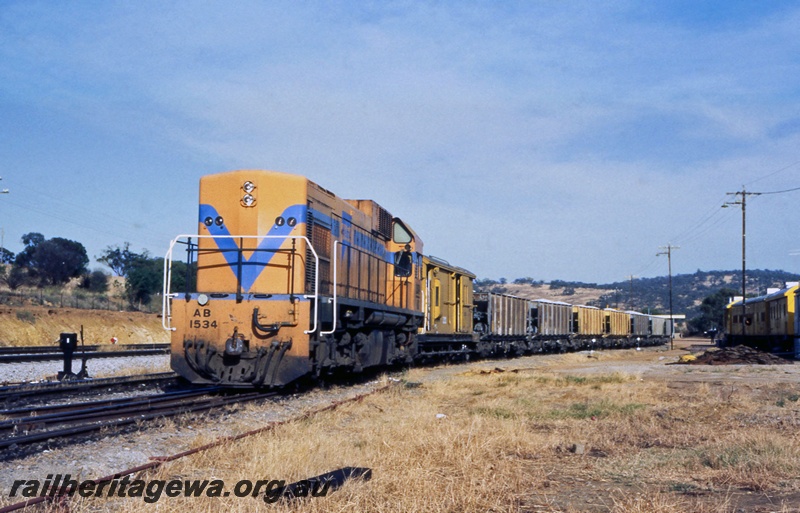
column 588, row 321
column 616, row 323
column 766, row 322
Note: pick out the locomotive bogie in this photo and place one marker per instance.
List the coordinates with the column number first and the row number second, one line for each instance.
column 367, row 336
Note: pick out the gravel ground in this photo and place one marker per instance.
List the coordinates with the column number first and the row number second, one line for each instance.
column 104, row 456
column 98, row 368
column 113, row 453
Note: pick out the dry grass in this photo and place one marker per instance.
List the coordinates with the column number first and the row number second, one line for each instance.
column 39, row 326
column 523, row 441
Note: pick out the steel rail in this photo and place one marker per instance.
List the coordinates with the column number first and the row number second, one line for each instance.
column 18, row 392
column 80, row 348
column 78, row 355
column 93, row 421
column 42, row 414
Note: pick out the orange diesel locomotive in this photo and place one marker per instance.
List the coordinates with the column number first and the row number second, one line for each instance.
column 291, row 279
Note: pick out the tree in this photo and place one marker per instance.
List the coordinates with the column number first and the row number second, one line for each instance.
column 143, row 280
column 16, row 277
column 183, row 278
column 6, row 256
column 122, row 260
column 146, row 278
column 712, row 311
column 31, row 240
column 143, row 275
column 96, row 281
column 57, row 260
column 51, row 261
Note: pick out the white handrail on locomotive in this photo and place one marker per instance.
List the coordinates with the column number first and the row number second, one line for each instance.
column 165, row 307
column 335, row 298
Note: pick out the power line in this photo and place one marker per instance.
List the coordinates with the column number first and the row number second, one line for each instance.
column 774, row 192
column 712, row 212
column 646, row 268
column 691, row 238
column 129, row 230
column 774, row 173
column 712, row 219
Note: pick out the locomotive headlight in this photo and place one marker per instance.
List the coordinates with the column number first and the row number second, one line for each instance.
column 218, row 221
column 291, row 221
column 279, row 221
column 249, row 187
column 208, row 221
column 202, row 300
column 248, row 200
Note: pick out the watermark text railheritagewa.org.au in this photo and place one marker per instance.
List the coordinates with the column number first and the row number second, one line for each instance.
column 153, row 490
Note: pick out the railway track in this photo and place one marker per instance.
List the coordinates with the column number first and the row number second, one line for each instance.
column 24, row 354
column 61, row 423
column 37, row 392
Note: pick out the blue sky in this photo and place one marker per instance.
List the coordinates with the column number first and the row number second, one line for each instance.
column 556, row 140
